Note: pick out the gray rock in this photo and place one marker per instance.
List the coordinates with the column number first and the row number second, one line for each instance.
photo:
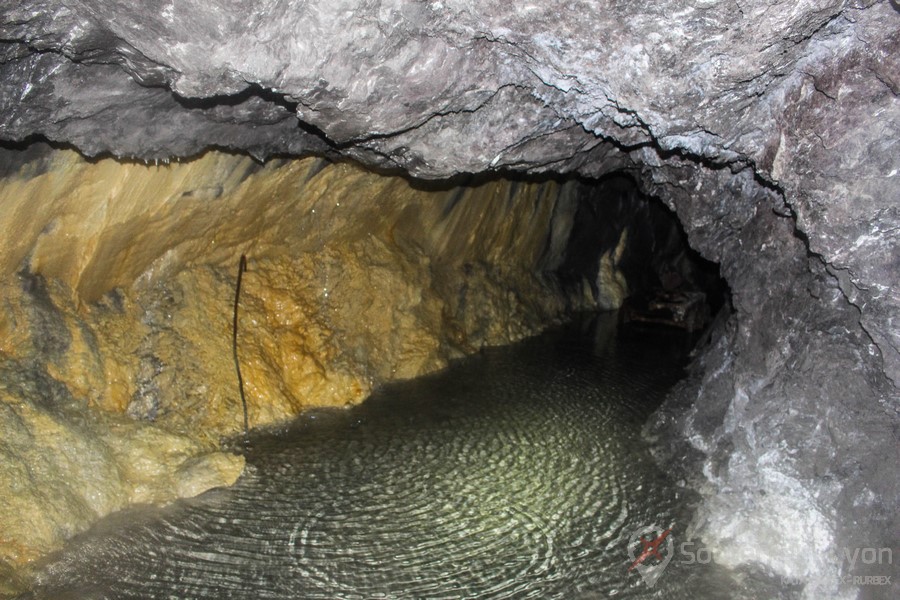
column 770, row 127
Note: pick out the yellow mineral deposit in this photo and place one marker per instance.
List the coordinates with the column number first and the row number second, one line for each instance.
column 118, row 383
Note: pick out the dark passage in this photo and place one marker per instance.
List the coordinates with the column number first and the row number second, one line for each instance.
column 623, row 239
column 516, row 473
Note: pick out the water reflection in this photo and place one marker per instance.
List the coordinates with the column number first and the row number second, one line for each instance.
column 517, row 473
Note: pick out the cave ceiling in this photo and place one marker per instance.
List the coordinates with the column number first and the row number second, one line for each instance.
column 799, row 96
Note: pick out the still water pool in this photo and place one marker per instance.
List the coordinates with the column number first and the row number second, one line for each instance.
column 516, row 473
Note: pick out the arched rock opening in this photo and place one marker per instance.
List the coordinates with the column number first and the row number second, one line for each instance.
column 630, row 249
column 769, row 129
column 118, row 295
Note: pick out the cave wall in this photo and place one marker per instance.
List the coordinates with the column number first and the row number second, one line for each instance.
column 769, row 127
column 118, row 385
column 787, row 405
column 803, row 95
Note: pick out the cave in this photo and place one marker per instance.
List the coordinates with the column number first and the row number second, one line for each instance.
column 414, row 185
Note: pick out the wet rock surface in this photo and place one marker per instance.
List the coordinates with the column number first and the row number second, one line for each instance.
column 118, row 381
column 518, row 472
column 770, row 128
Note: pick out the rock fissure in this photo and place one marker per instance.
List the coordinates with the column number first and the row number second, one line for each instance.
column 369, row 137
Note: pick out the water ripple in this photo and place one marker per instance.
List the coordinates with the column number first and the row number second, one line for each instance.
column 518, row 473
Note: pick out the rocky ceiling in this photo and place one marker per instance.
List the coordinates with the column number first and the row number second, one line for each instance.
column 802, row 96
column 770, row 126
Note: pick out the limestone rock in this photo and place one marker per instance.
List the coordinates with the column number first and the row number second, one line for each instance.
column 769, row 126
column 64, row 466
column 118, row 377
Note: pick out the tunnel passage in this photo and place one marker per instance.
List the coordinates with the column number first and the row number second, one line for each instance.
column 633, row 254
column 517, row 472
column 771, row 127
column 118, row 289
column 118, row 293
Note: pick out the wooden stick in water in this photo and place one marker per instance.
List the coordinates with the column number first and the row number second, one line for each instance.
column 234, row 347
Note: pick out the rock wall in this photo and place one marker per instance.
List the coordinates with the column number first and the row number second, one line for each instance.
column 787, row 407
column 769, row 126
column 118, row 384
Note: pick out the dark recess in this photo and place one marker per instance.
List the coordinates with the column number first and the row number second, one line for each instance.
column 656, row 259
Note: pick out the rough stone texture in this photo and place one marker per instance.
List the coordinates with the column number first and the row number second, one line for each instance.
column 117, row 297
column 64, row 466
column 770, row 126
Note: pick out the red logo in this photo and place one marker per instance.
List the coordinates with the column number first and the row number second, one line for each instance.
column 650, row 548
column 656, row 544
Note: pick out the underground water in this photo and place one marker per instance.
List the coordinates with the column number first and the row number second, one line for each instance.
column 519, row 472
column 415, row 185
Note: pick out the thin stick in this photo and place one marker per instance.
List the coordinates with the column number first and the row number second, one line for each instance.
column 234, row 346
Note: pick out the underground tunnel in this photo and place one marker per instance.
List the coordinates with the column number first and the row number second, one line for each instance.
column 574, row 300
